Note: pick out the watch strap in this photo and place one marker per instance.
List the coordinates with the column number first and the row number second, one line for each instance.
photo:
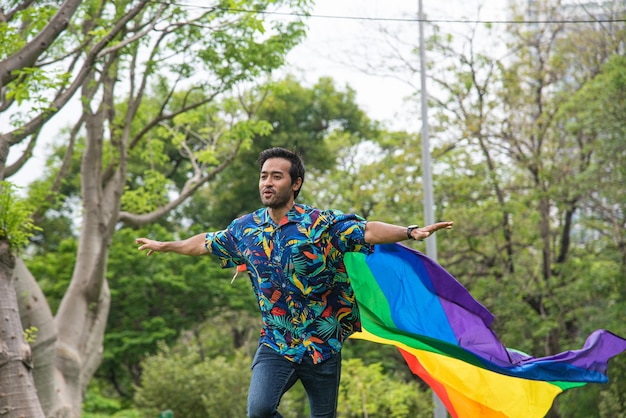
column 410, row 229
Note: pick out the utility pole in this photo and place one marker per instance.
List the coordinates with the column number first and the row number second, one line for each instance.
column 429, row 217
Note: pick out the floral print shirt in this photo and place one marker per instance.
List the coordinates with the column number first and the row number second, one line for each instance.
column 298, row 275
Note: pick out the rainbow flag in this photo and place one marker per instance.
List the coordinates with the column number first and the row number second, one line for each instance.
column 409, row 301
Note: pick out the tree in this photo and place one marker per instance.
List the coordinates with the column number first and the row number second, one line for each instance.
column 596, row 112
column 16, row 358
column 550, row 68
column 522, row 166
column 523, row 116
column 307, row 119
column 32, row 44
column 117, row 54
column 154, row 299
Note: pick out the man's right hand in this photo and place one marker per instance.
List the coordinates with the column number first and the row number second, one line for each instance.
column 190, row 246
column 149, row 244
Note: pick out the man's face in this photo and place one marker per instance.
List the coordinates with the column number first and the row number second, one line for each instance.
column 275, row 183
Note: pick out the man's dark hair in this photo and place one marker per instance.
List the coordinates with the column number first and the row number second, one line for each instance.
column 297, row 165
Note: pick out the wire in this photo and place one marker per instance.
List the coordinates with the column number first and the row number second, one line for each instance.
column 415, row 20
column 397, row 19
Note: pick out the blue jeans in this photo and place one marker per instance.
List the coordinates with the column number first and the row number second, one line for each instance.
column 273, row 375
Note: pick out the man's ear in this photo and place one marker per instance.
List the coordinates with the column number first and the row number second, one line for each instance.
column 297, row 185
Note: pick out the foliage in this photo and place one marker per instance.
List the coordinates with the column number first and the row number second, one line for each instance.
column 180, row 380
column 16, row 224
column 154, row 298
column 124, row 346
column 521, row 166
column 528, row 161
column 100, row 404
column 116, row 53
column 377, row 179
column 533, row 187
column 193, row 388
column 306, row 119
column 612, row 402
column 53, row 268
column 31, row 20
column 30, row 86
column 386, row 356
column 366, row 392
column 197, row 141
column 30, row 334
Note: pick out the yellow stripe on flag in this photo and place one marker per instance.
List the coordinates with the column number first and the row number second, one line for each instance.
column 476, row 392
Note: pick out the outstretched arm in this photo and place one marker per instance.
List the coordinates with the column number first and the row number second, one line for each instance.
column 384, row 233
column 189, row 246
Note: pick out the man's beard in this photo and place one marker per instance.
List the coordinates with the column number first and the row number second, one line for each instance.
column 276, row 200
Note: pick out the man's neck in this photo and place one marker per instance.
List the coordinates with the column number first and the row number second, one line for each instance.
column 277, row 214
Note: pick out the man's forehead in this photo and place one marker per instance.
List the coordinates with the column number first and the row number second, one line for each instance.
column 276, row 165
column 274, row 171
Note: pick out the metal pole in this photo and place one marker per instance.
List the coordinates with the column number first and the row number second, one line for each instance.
column 429, row 217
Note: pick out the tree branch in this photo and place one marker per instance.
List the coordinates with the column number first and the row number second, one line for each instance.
column 138, row 220
column 62, row 98
column 28, row 54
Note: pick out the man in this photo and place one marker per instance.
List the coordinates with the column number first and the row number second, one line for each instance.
column 294, row 257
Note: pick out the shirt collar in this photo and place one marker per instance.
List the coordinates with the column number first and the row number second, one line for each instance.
column 294, row 214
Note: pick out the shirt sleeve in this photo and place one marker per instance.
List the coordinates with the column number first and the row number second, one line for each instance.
column 347, row 232
column 223, row 245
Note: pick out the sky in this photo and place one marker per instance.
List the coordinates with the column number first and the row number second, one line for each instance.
column 341, row 47
column 343, row 38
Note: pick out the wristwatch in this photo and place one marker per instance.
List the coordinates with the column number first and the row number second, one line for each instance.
column 410, row 229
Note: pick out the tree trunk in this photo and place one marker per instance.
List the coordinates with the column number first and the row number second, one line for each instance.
column 18, row 396
column 81, row 319
column 80, row 323
column 35, row 312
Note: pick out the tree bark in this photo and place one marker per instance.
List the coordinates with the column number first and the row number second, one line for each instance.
column 18, row 396
column 35, row 312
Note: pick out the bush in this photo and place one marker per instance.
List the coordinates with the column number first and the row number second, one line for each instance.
column 218, row 386
column 192, row 388
column 366, row 392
